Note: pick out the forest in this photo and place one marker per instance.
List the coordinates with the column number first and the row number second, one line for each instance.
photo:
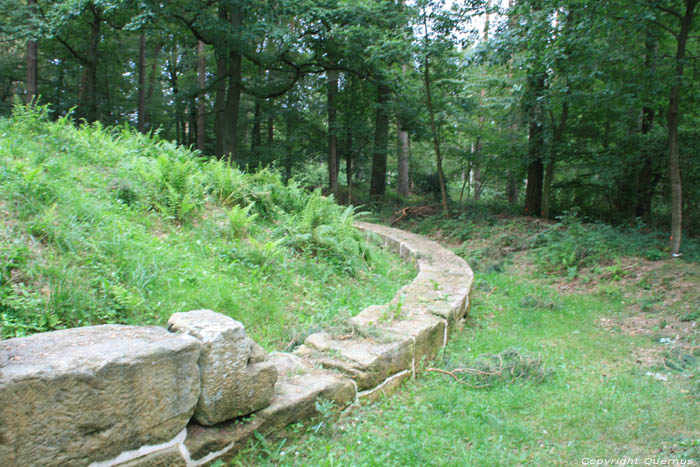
column 163, row 157
column 555, row 106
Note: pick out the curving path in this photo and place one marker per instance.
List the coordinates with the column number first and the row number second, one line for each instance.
column 386, row 345
column 78, row 396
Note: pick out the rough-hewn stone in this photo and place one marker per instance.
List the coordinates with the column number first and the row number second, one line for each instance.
column 169, row 457
column 86, row 394
column 427, row 332
column 298, row 389
column 365, row 360
column 235, row 378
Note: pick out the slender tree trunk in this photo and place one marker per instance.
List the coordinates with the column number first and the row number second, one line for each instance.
column 32, row 65
column 233, row 104
column 646, row 182
column 404, row 154
column 91, row 84
column 513, row 181
column 436, row 135
column 476, row 175
column 290, row 124
column 270, row 130
column 141, row 121
column 152, row 79
column 557, row 136
column 201, row 100
column 233, row 97
column 673, row 118
column 381, row 141
column 477, row 148
column 403, row 160
column 256, row 137
column 348, row 162
column 332, row 92
column 535, row 169
column 646, row 178
column 220, row 104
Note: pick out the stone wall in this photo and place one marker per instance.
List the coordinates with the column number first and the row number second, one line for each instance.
column 147, row 396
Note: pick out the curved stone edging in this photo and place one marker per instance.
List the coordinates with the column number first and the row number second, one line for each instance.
column 382, row 352
column 387, row 344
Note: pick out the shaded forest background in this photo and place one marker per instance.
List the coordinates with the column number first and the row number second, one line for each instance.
column 555, row 106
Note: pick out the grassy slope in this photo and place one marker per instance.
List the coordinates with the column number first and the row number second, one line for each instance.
column 622, row 343
column 109, row 226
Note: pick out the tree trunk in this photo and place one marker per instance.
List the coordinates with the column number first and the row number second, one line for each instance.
column 201, row 100
column 220, row 104
column 646, row 180
column 232, row 108
column 535, row 169
column 256, row 137
column 91, row 84
column 270, row 130
column 148, row 117
column 233, row 97
column 381, row 140
column 403, row 160
column 673, row 117
column 476, row 149
column 557, row 135
column 141, row 118
column 332, row 92
column 404, row 154
column 348, row 162
column 436, row 135
column 32, row 65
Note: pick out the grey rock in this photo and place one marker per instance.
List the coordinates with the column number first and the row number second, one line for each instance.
column 87, row 394
column 236, row 379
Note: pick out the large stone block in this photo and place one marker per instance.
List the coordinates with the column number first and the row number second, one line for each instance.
column 236, row 379
column 87, row 394
column 298, row 390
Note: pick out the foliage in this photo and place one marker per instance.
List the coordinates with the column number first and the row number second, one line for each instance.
column 106, row 225
column 598, row 398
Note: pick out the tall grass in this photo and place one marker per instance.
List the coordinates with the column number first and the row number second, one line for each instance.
column 106, row 225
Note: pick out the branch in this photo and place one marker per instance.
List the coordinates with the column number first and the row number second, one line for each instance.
column 669, row 11
column 80, row 58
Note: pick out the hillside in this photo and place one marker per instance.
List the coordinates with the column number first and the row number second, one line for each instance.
column 106, row 225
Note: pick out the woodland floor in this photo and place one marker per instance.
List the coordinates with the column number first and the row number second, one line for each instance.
column 618, row 339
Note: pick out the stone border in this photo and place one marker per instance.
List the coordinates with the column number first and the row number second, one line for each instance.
column 383, row 345
column 387, row 344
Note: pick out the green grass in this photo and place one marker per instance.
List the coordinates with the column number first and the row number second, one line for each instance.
column 105, row 225
column 601, row 398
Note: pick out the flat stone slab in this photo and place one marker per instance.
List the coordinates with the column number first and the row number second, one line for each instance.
column 428, row 333
column 236, row 379
column 365, row 360
column 83, row 395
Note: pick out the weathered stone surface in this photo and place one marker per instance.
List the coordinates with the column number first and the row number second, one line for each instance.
column 87, row 394
column 427, row 332
column 235, row 378
column 298, row 389
column 169, row 457
column 365, row 360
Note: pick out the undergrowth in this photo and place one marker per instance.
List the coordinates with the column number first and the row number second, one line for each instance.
column 106, row 225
